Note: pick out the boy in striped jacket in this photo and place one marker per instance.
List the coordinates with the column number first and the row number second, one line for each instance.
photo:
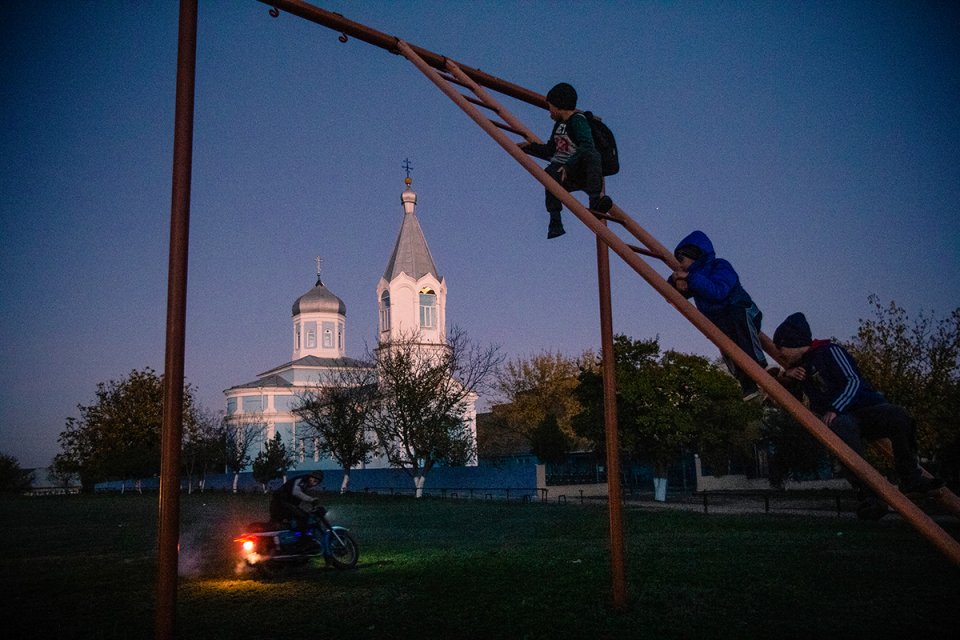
column 851, row 408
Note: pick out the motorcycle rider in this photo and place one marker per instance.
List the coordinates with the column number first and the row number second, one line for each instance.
column 292, row 501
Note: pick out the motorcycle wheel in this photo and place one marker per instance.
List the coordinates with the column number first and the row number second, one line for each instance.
column 344, row 552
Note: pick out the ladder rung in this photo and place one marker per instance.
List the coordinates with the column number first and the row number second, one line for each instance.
column 605, row 216
column 506, row 127
column 478, row 102
column 645, row 252
column 452, row 80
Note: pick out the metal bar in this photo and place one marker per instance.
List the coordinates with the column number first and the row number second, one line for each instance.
column 353, row 29
column 172, row 434
column 614, row 489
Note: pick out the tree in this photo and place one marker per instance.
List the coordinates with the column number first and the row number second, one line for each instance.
column 13, row 479
column 534, row 388
column 203, row 447
column 916, row 365
column 538, row 386
column 239, row 433
column 338, row 410
column 272, row 462
column 61, row 479
column 548, row 442
column 666, row 404
column 424, row 394
column 119, row 435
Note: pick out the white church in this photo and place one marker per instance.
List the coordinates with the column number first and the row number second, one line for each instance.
column 412, row 299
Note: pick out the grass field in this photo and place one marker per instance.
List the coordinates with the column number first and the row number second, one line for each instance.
column 84, row 567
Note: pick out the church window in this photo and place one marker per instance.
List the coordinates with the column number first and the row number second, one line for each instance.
column 296, row 338
column 340, row 336
column 385, row 311
column 327, row 339
column 311, row 329
column 428, row 308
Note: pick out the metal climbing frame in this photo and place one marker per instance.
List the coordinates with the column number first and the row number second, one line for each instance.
column 445, row 73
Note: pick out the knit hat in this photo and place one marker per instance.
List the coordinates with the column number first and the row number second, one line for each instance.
column 793, row 332
column 692, row 251
column 563, row 96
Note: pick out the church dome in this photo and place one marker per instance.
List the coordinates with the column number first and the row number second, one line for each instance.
column 319, row 299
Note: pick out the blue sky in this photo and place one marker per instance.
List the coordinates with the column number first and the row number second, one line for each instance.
column 816, row 143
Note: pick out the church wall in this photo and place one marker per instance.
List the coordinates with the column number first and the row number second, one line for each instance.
column 252, row 404
column 284, row 403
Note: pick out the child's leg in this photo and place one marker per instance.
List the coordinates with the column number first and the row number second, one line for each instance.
column 742, row 325
column 554, row 206
column 588, row 176
column 553, row 203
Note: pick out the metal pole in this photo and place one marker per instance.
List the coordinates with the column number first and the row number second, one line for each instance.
column 614, row 489
column 167, row 554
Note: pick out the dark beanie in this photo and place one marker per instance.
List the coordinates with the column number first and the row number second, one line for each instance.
column 692, row 251
column 793, row 332
column 563, row 96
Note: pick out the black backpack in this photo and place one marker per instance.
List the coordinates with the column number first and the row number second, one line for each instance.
column 605, row 143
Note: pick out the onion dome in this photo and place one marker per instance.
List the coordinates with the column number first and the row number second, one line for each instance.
column 319, row 300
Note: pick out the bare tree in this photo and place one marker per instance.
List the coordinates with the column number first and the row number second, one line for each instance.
column 338, row 411
column 240, row 432
column 203, row 446
column 425, row 392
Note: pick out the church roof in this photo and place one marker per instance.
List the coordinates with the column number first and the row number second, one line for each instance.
column 270, row 381
column 410, row 253
column 316, row 362
column 319, row 299
column 272, row 378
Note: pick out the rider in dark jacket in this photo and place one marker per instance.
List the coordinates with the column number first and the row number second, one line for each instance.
column 292, row 500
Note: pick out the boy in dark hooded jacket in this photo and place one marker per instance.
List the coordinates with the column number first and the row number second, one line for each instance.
column 851, row 408
column 715, row 287
column 574, row 160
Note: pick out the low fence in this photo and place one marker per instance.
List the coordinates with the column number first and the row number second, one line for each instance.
column 524, row 494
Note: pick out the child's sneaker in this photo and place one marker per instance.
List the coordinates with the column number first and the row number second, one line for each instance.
column 602, row 205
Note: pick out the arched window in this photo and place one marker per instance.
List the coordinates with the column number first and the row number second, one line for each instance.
column 428, row 308
column 385, row 311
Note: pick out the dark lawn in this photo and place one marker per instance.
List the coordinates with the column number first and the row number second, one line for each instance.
column 84, row 567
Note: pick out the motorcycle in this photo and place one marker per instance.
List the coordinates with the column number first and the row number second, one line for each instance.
column 269, row 546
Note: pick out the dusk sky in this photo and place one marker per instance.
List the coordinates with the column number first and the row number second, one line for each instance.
column 816, row 143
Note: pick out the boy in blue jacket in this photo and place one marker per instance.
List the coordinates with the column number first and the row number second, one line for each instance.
column 851, row 408
column 715, row 287
column 574, row 160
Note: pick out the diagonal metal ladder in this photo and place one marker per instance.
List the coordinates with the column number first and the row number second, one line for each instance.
column 596, row 222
